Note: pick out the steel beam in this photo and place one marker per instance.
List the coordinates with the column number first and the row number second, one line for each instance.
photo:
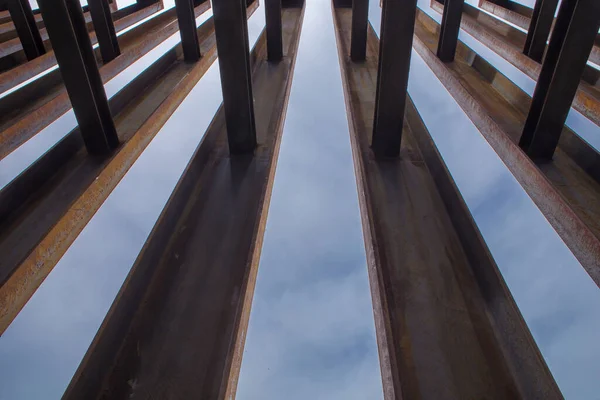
column 274, row 30
column 397, row 27
column 73, row 50
column 360, row 22
column 539, row 28
column 26, row 27
column 105, row 29
column 576, row 28
column 187, row 29
column 231, row 31
column 449, row 30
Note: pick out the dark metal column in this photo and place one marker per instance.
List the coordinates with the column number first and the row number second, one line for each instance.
column 274, row 32
column 360, row 22
column 571, row 43
column 231, row 31
column 22, row 17
column 105, row 29
column 449, row 30
column 187, row 29
column 397, row 27
column 539, row 29
column 73, row 50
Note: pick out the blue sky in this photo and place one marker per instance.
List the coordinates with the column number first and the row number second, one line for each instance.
column 311, row 332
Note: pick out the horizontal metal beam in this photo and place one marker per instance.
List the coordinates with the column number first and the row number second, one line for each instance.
column 187, row 30
column 397, row 27
column 27, row 30
column 574, row 34
column 449, row 30
column 105, row 29
column 539, row 28
column 73, row 50
column 231, row 31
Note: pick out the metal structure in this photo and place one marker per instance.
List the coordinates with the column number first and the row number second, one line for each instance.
column 462, row 337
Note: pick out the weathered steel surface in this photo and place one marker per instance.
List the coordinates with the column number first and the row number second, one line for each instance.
column 231, row 31
column 123, row 19
column 77, row 64
column 186, row 20
column 74, row 203
column 397, row 23
column 430, row 269
column 509, row 45
column 509, row 15
column 360, row 22
column 274, row 30
column 449, row 30
column 134, row 44
column 566, row 189
column 104, row 29
column 187, row 275
column 572, row 40
column 26, row 27
column 539, row 28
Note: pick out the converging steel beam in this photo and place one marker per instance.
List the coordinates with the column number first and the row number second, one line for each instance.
column 574, row 33
column 231, row 31
column 26, row 27
column 73, row 50
column 397, row 27
column 274, row 31
column 539, row 29
column 187, row 29
column 449, row 30
column 105, row 29
column 360, row 22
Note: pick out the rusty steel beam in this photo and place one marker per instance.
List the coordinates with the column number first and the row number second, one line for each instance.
column 231, row 31
column 26, row 27
column 449, row 30
column 539, row 29
column 274, row 30
column 219, row 283
column 424, row 250
column 572, row 40
column 565, row 189
column 75, row 56
column 360, row 22
column 134, row 44
column 105, row 29
column 514, row 17
column 508, row 42
column 187, row 29
column 54, row 204
column 397, row 27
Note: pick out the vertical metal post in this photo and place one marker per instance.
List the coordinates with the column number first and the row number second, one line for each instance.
column 187, row 29
column 570, row 45
column 397, row 27
column 73, row 50
column 360, row 21
column 231, row 31
column 539, row 29
column 274, row 30
column 105, row 29
column 26, row 27
column 449, row 30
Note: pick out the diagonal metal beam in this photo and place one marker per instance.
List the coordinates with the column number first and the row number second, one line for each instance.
column 187, row 29
column 576, row 28
column 73, row 50
column 397, row 27
column 449, row 30
column 539, row 28
column 26, row 27
column 105, row 29
column 231, row 31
